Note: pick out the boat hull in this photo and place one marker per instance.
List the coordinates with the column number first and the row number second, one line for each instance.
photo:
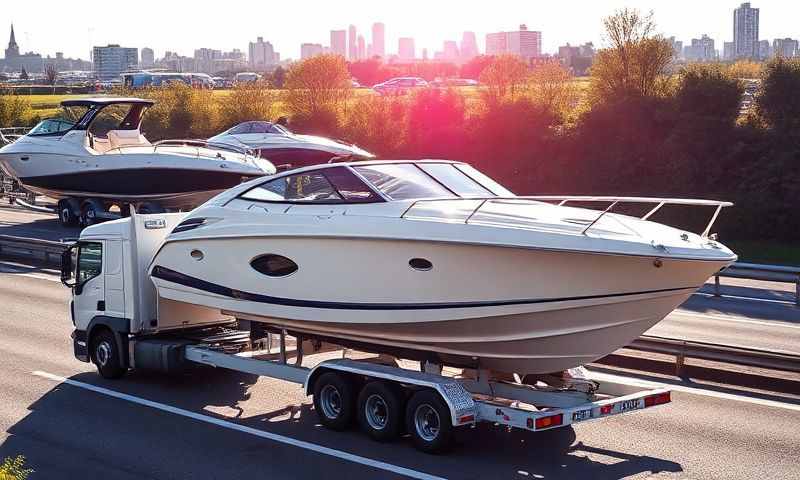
column 518, row 310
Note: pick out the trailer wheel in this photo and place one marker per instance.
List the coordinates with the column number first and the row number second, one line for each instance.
column 90, row 212
column 428, row 422
column 106, row 355
column 147, row 208
column 334, row 400
column 67, row 213
column 380, row 411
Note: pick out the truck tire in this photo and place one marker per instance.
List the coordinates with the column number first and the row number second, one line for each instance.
column 380, row 411
column 67, row 213
column 90, row 212
column 106, row 355
column 428, row 422
column 334, row 400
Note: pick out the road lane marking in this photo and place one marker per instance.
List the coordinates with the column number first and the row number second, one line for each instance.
column 24, row 271
column 241, row 428
column 726, row 318
column 599, row 376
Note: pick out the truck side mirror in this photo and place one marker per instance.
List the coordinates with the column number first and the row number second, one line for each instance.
column 66, row 266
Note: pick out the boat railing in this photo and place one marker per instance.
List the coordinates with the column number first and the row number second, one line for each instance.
column 197, row 143
column 611, row 201
column 9, row 134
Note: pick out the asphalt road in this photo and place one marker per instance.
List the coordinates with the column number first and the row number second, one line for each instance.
column 220, row 424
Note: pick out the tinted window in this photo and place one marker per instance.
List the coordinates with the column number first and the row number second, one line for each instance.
column 240, row 129
column 303, row 187
column 487, row 182
column 263, row 127
column 403, row 181
column 296, row 157
column 455, row 180
column 90, row 261
column 349, row 186
column 274, row 265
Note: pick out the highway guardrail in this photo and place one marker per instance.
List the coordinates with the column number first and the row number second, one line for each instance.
column 683, row 349
column 754, row 271
column 47, row 251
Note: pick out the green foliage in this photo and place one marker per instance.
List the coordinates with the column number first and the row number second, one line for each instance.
column 14, row 469
column 377, row 124
column 707, row 90
column 318, row 88
column 250, row 101
column 778, row 102
column 15, row 110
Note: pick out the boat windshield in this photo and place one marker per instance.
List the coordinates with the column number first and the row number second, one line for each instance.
column 403, row 181
column 66, row 119
column 257, row 127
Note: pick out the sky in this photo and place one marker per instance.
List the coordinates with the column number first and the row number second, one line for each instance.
column 183, row 26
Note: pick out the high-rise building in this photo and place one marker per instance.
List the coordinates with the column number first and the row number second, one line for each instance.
column 701, row 50
column 352, row 47
column 677, row 47
column 469, row 46
column 205, row 59
column 261, row 54
column 745, row 32
column 728, row 51
column 339, row 42
column 148, row 58
column 308, row 50
column 405, row 49
column 362, row 48
column 764, row 50
column 378, row 40
column 523, row 42
column 450, row 51
column 785, row 47
column 110, row 61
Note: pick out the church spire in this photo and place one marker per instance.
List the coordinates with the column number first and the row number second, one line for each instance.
column 12, row 42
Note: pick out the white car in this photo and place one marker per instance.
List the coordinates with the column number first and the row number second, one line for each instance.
column 400, row 85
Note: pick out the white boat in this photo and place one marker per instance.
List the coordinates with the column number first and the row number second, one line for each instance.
column 434, row 260
column 287, row 149
column 95, row 155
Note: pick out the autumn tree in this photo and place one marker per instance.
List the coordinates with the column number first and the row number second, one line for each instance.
column 318, row 90
column 505, row 77
column 636, row 62
column 552, row 86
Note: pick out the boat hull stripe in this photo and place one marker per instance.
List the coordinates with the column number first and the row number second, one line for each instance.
column 169, row 275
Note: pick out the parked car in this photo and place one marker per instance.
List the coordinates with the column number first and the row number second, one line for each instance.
column 453, row 82
column 400, row 85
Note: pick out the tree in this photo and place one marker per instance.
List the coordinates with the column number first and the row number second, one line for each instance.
column 553, row 88
column 778, row 103
column 15, row 110
column 368, row 72
column 636, row 62
column 50, row 74
column 278, row 77
column 473, row 68
column 318, row 90
column 707, row 91
column 504, row 76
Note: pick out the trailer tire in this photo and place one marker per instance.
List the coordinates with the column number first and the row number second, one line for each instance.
column 428, row 422
column 106, row 355
column 334, row 400
column 67, row 213
column 380, row 411
column 90, row 212
column 147, row 208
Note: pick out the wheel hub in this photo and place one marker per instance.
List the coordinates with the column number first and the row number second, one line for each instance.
column 331, row 401
column 103, row 353
column 427, row 422
column 376, row 412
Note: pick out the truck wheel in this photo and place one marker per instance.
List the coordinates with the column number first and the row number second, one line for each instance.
column 106, row 355
column 334, row 400
column 428, row 422
column 67, row 214
column 380, row 411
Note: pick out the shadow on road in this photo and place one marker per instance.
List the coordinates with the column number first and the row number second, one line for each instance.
column 71, row 432
column 751, row 305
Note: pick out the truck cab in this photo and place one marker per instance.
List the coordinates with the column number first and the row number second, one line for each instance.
column 113, row 298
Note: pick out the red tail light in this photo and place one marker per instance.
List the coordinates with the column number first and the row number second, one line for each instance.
column 657, row 399
column 551, row 421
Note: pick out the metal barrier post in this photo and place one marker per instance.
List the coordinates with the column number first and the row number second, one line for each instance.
column 797, row 292
column 716, row 285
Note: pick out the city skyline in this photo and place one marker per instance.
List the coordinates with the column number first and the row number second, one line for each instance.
column 558, row 23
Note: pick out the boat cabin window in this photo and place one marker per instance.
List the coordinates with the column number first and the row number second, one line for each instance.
column 66, row 119
column 403, row 181
column 118, row 116
column 487, row 182
column 330, row 185
column 265, row 127
column 455, row 179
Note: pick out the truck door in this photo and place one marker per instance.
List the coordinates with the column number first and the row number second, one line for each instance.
column 89, row 290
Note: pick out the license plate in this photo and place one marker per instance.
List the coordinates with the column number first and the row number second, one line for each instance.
column 628, row 405
column 582, row 415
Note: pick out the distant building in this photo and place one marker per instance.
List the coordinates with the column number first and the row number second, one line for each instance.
column 339, row 42
column 677, row 48
column 745, row 32
column 308, row 50
column 262, row 55
column 362, row 48
column 405, row 49
column 577, row 58
column 523, row 42
column 147, row 58
column 15, row 62
column 205, row 58
column 728, row 51
column 110, row 61
column 378, row 40
column 469, row 46
column 701, row 50
column 764, row 50
column 450, row 51
column 352, row 47
column 785, row 47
